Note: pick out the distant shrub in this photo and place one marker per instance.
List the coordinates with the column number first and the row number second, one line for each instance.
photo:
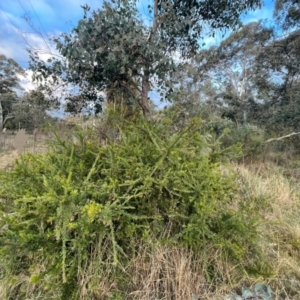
column 251, row 137
column 217, row 124
column 80, row 201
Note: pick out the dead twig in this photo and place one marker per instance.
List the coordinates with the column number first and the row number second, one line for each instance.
column 282, row 137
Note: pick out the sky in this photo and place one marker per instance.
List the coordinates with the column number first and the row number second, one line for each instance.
column 52, row 17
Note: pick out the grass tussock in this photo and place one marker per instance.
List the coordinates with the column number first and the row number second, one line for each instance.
column 280, row 229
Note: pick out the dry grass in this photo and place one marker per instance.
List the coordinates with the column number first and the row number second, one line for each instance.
column 280, row 232
column 175, row 273
column 168, row 273
column 9, row 153
column 158, row 272
column 7, row 159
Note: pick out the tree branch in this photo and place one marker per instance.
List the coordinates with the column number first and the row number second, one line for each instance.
column 7, row 118
column 157, row 20
column 128, row 90
column 282, row 137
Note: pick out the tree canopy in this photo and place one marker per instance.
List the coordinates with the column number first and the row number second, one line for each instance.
column 287, row 13
column 113, row 48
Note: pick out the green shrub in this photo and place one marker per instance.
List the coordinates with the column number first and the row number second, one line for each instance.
column 251, row 137
column 79, row 201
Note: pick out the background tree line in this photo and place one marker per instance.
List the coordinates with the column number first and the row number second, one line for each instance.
column 251, row 78
column 27, row 109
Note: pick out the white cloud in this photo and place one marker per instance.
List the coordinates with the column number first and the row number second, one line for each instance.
column 16, row 44
column 26, row 82
column 15, row 41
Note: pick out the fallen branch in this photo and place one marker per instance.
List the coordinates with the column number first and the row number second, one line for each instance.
column 282, row 137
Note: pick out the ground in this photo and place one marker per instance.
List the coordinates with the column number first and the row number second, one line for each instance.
column 8, row 153
column 7, row 159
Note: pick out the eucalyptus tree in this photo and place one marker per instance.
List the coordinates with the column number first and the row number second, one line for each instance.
column 256, row 73
column 231, row 69
column 9, row 83
column 114, row 48
column 278, row 81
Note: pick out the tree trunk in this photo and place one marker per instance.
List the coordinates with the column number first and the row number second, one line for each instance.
column 244, row 116
column 146, row 78
column 6, row 119
column 144, row 96
column 1, row 117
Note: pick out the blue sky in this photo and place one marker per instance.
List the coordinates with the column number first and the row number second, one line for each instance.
column 52, row 17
